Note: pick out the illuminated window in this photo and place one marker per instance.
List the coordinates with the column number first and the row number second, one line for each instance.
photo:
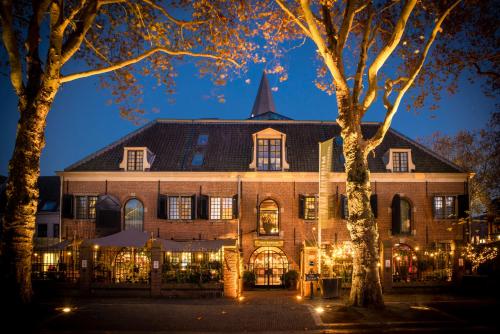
column 134, row 215
column 268, row 218
column 400, row 161
column 179, row 207
column 310, row 207
column 221, row 207
column 135, row 160
column 444, row 207
column 269, row 154
column 85, row 207
column 405, row 216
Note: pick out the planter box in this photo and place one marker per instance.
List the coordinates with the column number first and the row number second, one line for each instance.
column 330, row 287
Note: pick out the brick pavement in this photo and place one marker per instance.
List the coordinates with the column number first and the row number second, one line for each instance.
column 259, row 311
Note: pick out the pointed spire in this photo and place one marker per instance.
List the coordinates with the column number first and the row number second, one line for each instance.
column 264, row 100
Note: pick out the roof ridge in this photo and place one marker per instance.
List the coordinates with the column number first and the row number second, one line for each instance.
column 428, row 150
column 112, row 145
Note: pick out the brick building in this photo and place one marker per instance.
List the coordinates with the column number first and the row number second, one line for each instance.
column 256, row 181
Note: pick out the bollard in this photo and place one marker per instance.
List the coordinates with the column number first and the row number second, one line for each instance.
column 312, row 290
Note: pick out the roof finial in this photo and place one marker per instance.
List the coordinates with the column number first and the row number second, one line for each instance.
column 264, row 100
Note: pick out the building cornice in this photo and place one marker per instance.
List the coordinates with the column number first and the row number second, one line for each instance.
column 253, row 176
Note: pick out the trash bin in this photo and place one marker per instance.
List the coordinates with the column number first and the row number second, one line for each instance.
column 330, row 287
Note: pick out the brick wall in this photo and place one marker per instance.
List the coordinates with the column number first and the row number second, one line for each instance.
column 293, row 230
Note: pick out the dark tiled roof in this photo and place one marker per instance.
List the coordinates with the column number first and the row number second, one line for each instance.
column 49, row 187
column 229, row 147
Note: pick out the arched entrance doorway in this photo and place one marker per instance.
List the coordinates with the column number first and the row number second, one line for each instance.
column 269, row 265
column 404, row 263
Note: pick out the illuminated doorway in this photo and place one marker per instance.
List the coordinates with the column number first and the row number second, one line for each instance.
column 269, row 265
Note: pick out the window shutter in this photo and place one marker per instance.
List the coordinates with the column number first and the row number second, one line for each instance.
column 161, row 209
column 236, row 214
column 396, row 215
column 374, row 205
column 67, row 206
column 463, row 205
column 433, row 205
column 193, row 207
column 343, row 202
column 203, row 207
column 302, row 203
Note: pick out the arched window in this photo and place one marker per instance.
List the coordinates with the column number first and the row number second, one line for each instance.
column 401, row 215
column 405, row 216
column 268, row 218
column 134, row 215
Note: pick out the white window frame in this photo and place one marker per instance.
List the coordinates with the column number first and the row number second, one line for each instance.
column 390, row 163
column 219, row 214
column 146, row 164
column 178, row 215
column 269, row 133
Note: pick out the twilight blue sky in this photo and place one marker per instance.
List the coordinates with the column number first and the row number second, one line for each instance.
column 81, row 121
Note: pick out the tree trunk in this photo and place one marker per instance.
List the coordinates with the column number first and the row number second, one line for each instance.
column 365, row 289
column 22, row 197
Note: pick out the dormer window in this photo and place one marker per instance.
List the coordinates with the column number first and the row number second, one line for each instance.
column 269, row 153
column 136, row 159
column 399, row 160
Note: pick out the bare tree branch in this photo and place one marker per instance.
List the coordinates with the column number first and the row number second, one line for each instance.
column 295, row 18
column 331, row 34
column 491, row 74
column 169, row 16
column 363, row 57
column 33, row 63
column 392, row 108
column 345, row 27
column 75, row 39
column 10, row 42
column 338, row 76
column 75, row 11
column 140, row 57
column 386, row 52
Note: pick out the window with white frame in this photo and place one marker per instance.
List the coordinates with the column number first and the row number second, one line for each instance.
column 221, row 207
column 85, row 207
column 179, row 207
column 400, row 161
column 269, row 154
column 444, row 207
column 269, row 151
column 135, row 160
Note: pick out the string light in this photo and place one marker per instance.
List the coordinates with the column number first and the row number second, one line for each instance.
column 478, row 256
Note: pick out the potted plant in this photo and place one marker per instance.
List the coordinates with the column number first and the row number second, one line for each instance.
column 248, row 280
column 291, row 278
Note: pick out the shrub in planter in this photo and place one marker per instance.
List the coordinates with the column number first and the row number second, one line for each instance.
column 291, row 278
column 248, row 280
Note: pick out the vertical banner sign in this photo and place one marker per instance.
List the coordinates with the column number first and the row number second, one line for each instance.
column 325, row 189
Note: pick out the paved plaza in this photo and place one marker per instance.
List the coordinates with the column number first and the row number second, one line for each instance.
column 263, row 311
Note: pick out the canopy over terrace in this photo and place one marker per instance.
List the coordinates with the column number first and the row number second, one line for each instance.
column 134, row 238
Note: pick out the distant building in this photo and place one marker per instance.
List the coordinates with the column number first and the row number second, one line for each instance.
column 257, row 180
column 48, row 231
